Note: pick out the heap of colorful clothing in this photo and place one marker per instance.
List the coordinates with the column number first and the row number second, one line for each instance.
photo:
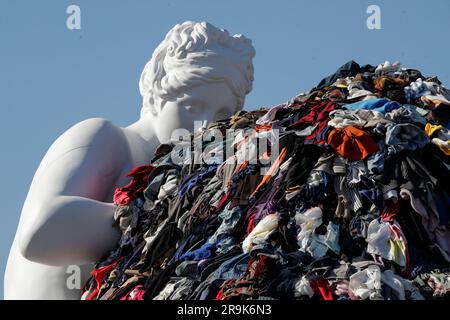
column 355, row 206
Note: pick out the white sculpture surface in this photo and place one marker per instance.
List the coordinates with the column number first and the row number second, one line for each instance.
column 198, row 73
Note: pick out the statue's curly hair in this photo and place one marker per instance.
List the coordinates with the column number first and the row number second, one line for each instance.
column 193, row 53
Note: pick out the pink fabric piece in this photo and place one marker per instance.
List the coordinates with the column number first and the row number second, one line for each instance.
column 136, row 294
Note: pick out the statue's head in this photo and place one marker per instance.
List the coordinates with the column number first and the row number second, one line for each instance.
column 198, row 73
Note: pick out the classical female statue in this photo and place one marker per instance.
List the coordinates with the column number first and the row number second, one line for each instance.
column 198, row 73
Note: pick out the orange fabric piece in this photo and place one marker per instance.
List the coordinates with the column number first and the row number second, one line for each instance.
column 352, row 143
column 263, row 127
column 273, row 169
column 241, row 167
column 381, row 82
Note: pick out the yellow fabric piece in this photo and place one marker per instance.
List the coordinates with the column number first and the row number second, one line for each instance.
column 398, row 251
column 431, row 129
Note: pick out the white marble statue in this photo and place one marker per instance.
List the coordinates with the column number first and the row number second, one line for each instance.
column 198, row 73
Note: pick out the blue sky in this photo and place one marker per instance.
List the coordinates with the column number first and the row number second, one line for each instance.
column 52, row 77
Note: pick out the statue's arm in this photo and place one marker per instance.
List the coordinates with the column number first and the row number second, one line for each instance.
column 65, row 219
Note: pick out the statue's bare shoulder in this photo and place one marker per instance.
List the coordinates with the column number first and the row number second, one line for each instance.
column 94, row 139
